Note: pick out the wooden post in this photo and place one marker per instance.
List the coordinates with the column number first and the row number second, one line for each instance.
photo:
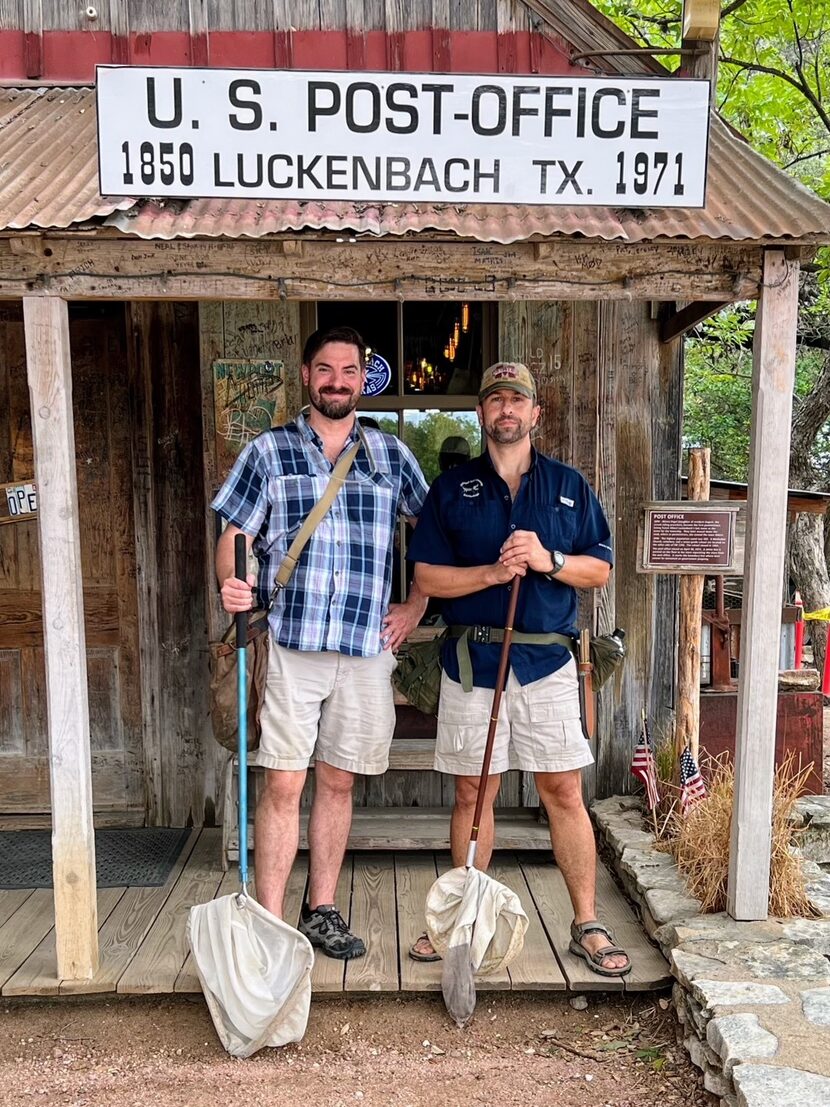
column 773, row 374
column 687, row 730
column 73, row 841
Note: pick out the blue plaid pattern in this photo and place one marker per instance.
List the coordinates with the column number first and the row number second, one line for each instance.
column 340, row 589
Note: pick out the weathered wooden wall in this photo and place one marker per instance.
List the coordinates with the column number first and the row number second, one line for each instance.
column 641, row 404
column 169, row 495
column 102, row 440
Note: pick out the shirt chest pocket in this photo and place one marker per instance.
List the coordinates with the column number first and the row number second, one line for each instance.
column 292, row 497
column 371, row 503
column 557, row 527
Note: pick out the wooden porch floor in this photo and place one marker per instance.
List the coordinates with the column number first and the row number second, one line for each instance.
column 143, row 945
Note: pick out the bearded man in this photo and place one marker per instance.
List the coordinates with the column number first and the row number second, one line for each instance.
column 333, row 630
column 515, row 513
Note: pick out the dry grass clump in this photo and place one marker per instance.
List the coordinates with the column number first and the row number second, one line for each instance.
column 699, row 840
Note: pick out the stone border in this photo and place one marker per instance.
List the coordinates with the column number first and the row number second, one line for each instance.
column 752, row 999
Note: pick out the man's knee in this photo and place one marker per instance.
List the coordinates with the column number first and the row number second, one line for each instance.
column 282, row 787
column 332, row 781
column 562, row 791
column 466, row 790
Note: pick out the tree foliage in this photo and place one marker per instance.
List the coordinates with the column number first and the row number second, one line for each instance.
column 774, row 67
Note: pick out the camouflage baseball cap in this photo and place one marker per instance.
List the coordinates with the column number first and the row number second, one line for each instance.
column 507, row 374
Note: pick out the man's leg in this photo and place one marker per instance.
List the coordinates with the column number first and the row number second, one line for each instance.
column 328, row 831
column 574, row 848
column 277, row 836
column 461, row 822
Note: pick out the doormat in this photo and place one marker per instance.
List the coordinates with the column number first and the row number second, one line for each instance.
column 140, row 856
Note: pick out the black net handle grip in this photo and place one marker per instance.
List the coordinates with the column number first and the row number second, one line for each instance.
column 240, row 554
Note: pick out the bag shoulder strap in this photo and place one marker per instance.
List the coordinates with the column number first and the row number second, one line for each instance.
column 311, row 521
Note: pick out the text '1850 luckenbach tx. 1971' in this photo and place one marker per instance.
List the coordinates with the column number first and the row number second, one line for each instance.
column 621, row 142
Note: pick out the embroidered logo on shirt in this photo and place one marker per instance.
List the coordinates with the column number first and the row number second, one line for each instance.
column 471, row 488
column 566, row 501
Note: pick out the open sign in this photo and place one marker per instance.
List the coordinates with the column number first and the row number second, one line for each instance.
column 18, row 502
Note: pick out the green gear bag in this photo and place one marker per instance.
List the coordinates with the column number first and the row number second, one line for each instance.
column 418, row 673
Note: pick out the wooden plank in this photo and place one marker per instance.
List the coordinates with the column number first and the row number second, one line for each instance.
column 536, row 966
column 11, row 900
column 73, row 850
column 677, row 323
column 121, row 935
column 163, row 951
column 38, row 975
column 413, row 828
column 199, row 269
column 328, row 973
column 687, row 727
column 773, row 372
column 553, row 903
column 373, row 919
column 414, row 876
column 22, row 932
column 21, row 618
column 649, row 968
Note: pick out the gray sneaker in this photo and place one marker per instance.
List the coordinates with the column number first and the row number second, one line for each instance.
column 326, row 929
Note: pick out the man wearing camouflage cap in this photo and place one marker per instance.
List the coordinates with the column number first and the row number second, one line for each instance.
column 513, row 512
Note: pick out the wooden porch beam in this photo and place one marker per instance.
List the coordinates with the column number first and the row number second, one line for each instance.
column 773, row 376
column 426, row 269
column 679, row 322
column 73, row 840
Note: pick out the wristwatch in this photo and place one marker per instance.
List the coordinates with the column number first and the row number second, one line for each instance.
column 558, row 559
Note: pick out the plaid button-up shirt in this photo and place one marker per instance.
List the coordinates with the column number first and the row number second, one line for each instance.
column 340, row 588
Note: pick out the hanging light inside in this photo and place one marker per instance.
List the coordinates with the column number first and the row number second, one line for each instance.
column 447, row 352
column 456, row 332
column 465, row 317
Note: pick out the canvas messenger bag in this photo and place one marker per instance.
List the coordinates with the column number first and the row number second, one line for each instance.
column 223, row 687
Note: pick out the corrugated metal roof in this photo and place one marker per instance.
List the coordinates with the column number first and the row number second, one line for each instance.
column 48, row 159
column 48, row 179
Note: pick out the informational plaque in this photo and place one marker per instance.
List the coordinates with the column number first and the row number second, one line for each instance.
column 688, row 537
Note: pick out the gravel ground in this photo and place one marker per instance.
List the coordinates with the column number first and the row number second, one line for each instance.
column 380, row 1051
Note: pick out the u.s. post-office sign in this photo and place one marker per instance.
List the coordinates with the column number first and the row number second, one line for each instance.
column 277, row 134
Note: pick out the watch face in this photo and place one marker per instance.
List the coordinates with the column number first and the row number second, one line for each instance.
column 558, row 559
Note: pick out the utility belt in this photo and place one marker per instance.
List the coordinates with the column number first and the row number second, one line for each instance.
column 483, row 635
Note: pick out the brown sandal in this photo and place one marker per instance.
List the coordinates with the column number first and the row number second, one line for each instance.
column 416, row 954
column 594, row 960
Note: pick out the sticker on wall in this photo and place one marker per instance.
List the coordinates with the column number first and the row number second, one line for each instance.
column 378, row 375
column 249, row 398
column 18, row 502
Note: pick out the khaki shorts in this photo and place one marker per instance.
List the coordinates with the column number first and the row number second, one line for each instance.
column 539, row 729
column 336, row 708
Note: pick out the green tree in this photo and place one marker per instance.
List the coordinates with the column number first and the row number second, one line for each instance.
column 774, row 68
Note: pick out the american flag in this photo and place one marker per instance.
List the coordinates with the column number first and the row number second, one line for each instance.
column 642, row 766
column 692, row 787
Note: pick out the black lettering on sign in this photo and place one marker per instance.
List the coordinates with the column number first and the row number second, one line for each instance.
column 437, row 92
column 552, row 112
column 596, row 126
column 317, row 105
column 463, row 167
column 569, row 178
column 398, row 178
column 518, row 108
column 393, row 93
column 152, row 113
column 638, row 113
column 237, row 101
column 373, row 120
column 501, row 105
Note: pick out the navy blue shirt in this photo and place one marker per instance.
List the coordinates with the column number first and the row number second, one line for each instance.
column 467, row 517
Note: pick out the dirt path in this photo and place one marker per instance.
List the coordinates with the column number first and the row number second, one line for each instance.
column 373, row 1052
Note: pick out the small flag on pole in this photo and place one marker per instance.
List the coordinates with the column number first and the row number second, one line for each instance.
column 643, row 767
column 692, row 788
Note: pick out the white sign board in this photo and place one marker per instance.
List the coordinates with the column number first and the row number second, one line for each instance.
column 283, row 134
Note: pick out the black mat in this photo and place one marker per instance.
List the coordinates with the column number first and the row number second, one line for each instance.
column 138, row 856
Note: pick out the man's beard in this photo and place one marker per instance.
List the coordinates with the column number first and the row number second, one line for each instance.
column 508, row 433
column 337, row 406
